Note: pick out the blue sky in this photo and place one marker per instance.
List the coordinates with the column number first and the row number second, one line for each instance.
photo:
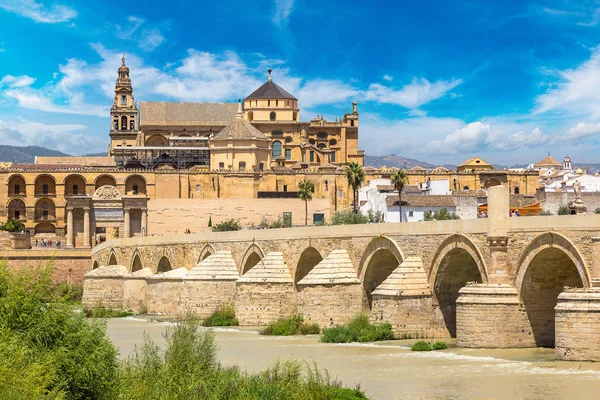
column 435, row 80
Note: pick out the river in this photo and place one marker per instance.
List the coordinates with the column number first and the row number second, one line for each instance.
column 388, row 370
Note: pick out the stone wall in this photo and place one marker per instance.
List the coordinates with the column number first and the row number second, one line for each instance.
column 578, row 325
column 410, row 316
column 551, row 201
column 163, row 295
column 202, row 298
column 329, row 305
column 67, row 265
column 263, row 303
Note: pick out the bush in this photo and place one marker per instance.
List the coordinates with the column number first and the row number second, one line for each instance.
column 545, row 213
column 375, row 217
column 349, row 218
column 439, row 346
column 359, row 329
column 12, row 225
column 71, row 293
column 293, row 325
column 597, row 210
column 564, row 210
column 99, row 311
column 442, row 215
column 231, row 225
column 224, row 316
column 420, row 346
column 267, row 224
column 47, row 350
column 188, row 369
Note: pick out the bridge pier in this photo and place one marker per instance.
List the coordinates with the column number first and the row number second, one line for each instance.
column 489, row 316
column 578, row 325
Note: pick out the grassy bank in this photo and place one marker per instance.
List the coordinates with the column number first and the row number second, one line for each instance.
column 49, row 352
column 425, row 346
column 293, row 325
column 224, row 316
column 359, row 329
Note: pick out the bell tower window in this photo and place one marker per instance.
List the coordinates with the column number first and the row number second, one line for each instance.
column 273, row 116
column 123, row 100
column 124, row 123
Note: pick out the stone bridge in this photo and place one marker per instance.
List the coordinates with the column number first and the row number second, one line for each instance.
column 492, row 282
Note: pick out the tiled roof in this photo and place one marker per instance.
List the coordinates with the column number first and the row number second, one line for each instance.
column 409, row 279
column 548, row 161
column 328, row 166
column 406, row 189
column 422, row 201
column 520, row 200
column 107, row 271
column 47, row 166
column 219, row 266
column 240, row 129
column 470, row 162
column 335, row 269
column 142, row 273
column 166, row 113
column 470, row 193
column 172, row 274
column 83, row 160
column 271, row 269
column 270, row 90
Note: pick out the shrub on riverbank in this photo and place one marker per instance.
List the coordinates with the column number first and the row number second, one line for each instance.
column 439, row 346
column 293, row 325
column 424, row 346
column 99, row 311
column 224, row 316
column 359, row 329
column 188, row 369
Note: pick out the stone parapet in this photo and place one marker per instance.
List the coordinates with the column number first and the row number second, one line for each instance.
column 578, row 325
column 489, row 316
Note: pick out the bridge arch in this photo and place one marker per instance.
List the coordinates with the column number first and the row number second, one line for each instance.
column 112, row 258
column 164, row 265
column 136, row 263
column 380, row 258
column 207, row 250
column 95, row 264
column 309, row 258
column 550, row 263
column 456, row 261
column 252, row 256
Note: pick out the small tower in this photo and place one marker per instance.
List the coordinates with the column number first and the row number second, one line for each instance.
column 567, row 163
column 271, row 103
column 124, row 111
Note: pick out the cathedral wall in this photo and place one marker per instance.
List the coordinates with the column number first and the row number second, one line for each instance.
column 168, row 186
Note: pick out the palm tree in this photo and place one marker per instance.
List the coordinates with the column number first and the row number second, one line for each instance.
column 306, row 189
column 355, row 174
column 399, row 179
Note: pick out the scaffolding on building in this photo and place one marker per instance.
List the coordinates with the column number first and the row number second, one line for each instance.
column 178, row 157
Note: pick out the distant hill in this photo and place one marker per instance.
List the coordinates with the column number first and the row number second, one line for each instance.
column 103, row 154
column 395, row 161
column 26, row 154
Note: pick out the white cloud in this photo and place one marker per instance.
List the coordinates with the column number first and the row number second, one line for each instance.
column 388, row 77
column 68, row 138
column 582, row 130
column 283, row 10
column 16, row 81
column 480, row 136
column 323, row 91
column 38, row 12
column 147, row 39
column 577, row 92
column 412, row 96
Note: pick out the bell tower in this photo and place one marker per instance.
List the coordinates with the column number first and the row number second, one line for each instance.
column 124, row 112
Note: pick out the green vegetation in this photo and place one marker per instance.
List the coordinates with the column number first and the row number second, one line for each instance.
column 424, row 346
column 359, row 329
column 293, row 325
column 545, row 213
column 375, row 217
column 306, row 189
column 270, row 224
column 597, row 210
column 564, row 210
column 188, row 369
column 224, row 316
column 399, row 180
column 99, row 311
column 349, row 218
column 47, row 350
column 230, row 225
column 420, row 346
column 355, row 174
column 442, row 215
column 210, row 221
column 12, row 225
column 439, row 346
column 69, row 292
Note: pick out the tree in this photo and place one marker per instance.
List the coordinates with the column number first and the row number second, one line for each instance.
column 400, row 179
column 210, row 221
column 306, row 189
column 226, row 226
column 442, row 215
column 355, row 174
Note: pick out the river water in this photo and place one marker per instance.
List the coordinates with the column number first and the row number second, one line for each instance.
column 388, row 370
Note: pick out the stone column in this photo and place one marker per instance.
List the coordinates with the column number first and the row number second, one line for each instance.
column 86, row 227
column 595, row 270
column 127, row 223
column 497, row 236
column 70, row 235
column 144, row 222
column 577, row 325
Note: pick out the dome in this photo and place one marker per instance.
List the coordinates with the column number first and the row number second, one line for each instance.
column 270, row 90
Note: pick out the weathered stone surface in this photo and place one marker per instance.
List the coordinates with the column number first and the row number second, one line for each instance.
column 410, row 316
column 271, row 269
column 490, row 316
column 163, row 293
column 262, row 303
column 329, row 304
column 578, row 325
column 409, row 279
column 219, row 266
column 134, row 290
column 104, row 287
column 335, row 269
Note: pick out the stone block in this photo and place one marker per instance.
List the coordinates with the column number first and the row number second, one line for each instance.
column 578, row 325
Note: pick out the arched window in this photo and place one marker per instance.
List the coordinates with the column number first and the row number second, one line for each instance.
column 276, row 152
column 132, row 124
column 288, row 139
column 516, row 190
column 322, row 135
column 116, row 124
column 221, row 165
column 332, row 157
column 311, row 141
column 242, row 167
column 321, row 145
column 332, row 142
column 123, row 123
column 273, row 116
column 466, row 188
column 123, row 100
column 276, row 133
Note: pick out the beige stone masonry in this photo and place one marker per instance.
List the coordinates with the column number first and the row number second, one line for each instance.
column 271, row 269
column 135, row 286
column 103, row 286
column 209, row 285
column 164, row 292
column 489, row 316
column 409, row 279
column 335, row 269
column 578, row 325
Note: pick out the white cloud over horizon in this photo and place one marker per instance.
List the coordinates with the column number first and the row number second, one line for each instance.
column 283, row 11
column 39, row 12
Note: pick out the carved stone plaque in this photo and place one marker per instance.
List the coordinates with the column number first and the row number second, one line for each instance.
column 108, row 213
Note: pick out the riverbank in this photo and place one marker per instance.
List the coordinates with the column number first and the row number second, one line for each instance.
column 389, row 370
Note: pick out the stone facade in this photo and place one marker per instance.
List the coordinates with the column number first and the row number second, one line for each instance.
column 263, row 303
column 104, row 287
column 578, row 325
